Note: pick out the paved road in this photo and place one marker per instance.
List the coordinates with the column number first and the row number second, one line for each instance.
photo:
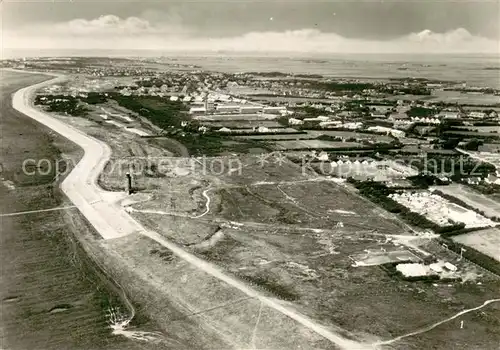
column 81, row 184
column 112, row 221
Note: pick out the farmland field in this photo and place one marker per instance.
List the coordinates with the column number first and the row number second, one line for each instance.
column 243, row 124
column 472, row 133
column 467, row 98
column 314, row 144
column 486, row 241
column 278, row 137
column 352, row 134
column 481, row 129
column 256, row 133
column 235, row 117
column 488, row 206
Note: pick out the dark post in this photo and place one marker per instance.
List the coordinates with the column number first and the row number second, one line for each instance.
column 129, row 183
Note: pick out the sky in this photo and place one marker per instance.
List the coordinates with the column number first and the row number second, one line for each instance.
column 414, row 26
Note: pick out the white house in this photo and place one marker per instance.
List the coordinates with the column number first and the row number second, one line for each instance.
column 477, row 115
column 450, row 267
column 353, row 125
column 385, row 130
column 294, row 121
column 323, row 156
column 197, row 111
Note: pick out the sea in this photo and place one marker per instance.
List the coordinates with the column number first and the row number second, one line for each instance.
column 473, row 69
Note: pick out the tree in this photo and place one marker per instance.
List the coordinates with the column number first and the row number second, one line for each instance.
column 473, row 145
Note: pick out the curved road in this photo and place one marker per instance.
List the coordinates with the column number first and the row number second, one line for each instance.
column 112, row 221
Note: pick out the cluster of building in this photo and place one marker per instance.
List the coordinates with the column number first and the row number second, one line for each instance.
column 426, row 120
column 214, row 96
column 214, row 105
column 79, row 87
column 113, row 71
column 307, row 87
column 387, row 131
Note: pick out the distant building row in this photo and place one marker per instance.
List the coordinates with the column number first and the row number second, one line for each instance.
column 236, row 109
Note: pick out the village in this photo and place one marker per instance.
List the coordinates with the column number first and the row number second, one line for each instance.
column 396, row 134
column 309, row 175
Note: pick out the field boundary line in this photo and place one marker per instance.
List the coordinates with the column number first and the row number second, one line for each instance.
column 37, row 211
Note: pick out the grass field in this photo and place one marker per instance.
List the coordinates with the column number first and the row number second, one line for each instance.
column 256, row 133
column 235, row 117
column 319, row 204
column 279, row 230
column 482, row 129
column 353, row 135
column 489, row 206
column 280, row 137
column 313, row 144
column 486, row 241
column 473, row 133
column 243, row 124
column 221, row 316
